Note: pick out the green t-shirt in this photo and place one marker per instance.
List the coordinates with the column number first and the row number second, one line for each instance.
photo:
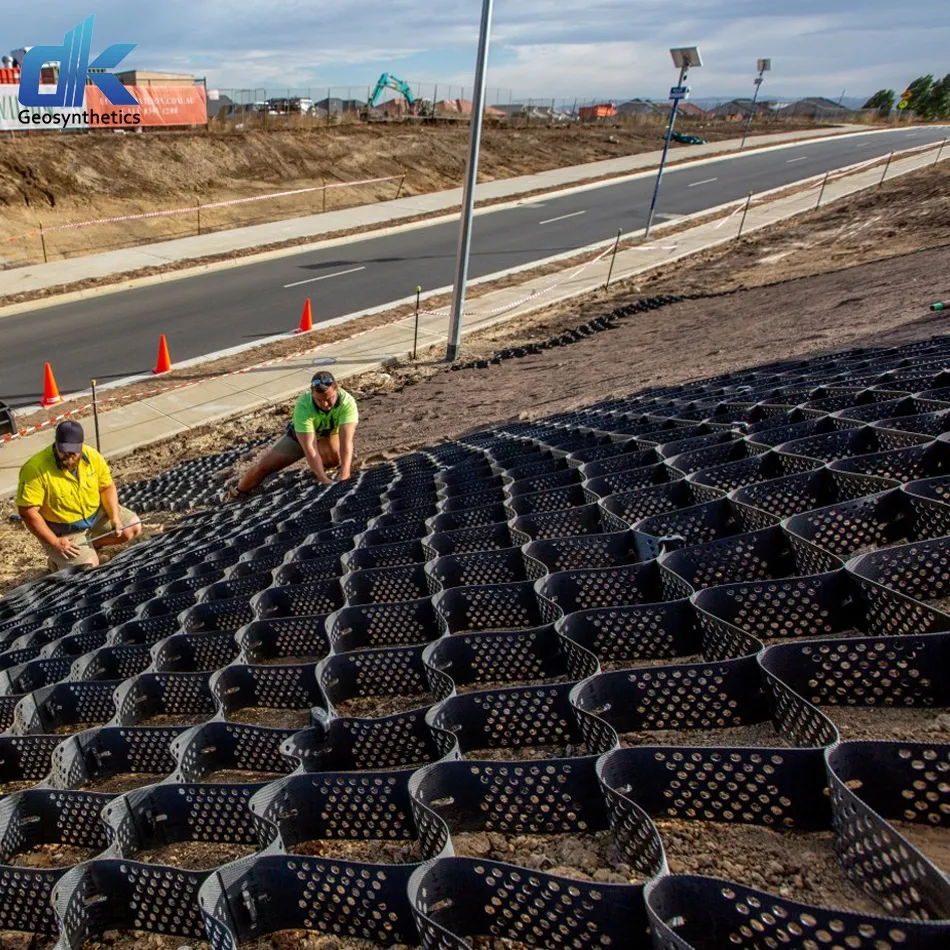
column 309, row 417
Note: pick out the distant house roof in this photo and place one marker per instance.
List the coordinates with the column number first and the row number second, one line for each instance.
column 335, row 104
column 638, row 107
column 816, row 106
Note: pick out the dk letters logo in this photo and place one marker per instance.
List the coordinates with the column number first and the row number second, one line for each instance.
column 75, row 68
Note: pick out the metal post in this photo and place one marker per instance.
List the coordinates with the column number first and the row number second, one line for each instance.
column 95, row 412
column 755, row 96
column 415, row 335
column 822, row 192
column 613, row 257
column 43, row 242
column 940, row 150
column 198, row 206
column 328, row 104
column 886, row 167
column 401, row 183
column 666, row 148
column 468, row 195
column 324, row 196
column 744, row 213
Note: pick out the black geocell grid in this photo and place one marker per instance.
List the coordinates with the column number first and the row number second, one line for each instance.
column 457, row 640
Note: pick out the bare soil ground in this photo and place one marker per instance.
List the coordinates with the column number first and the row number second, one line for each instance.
column 89, row 177
column 933, row 841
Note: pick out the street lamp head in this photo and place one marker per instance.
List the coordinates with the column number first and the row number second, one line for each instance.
column 764, row 65
column 686, row 56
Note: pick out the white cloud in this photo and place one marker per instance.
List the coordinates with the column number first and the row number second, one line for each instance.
column 539, row 47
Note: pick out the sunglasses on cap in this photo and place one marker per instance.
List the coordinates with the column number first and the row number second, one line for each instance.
column 321, row 383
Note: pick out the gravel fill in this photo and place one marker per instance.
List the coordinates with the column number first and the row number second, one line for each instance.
column 584, row 857
column 272, row 718
column 176, row 719
column 375, row 707
column 194, row 855
column 123, row 782
column 142, row 940
column 51, row 856
column 527, row 753
column 239, row 777
column 369, row 851
column 613, row 666
column 797, row 865
column 908, row 724
column 9, row 788
column 510, row 684
column 71, row 728
column 759, row 734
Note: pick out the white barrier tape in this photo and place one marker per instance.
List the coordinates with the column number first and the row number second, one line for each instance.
column 215, row 204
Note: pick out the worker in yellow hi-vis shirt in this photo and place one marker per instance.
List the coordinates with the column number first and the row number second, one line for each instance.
column 65, row 494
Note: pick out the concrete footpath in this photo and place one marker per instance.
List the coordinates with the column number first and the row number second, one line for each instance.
column 377, row 216
column 174, row 413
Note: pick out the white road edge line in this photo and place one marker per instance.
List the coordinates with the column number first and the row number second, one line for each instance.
column 707, row 181
column 311, row 280
column 789, row 162
column 562, row 217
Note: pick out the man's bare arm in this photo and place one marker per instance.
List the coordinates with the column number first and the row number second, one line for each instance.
column 347, row 439
column 308, row 442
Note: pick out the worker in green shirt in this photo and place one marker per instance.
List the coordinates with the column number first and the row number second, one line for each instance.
column 321, row 431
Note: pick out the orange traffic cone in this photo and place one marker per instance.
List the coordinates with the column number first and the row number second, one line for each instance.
column 306, row 319
column 164, row 363
column 51, row 394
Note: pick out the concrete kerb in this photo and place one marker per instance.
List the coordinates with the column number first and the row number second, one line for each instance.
column 436, row 218
column 630, row 263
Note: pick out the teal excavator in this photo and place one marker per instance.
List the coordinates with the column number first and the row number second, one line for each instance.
column 420, row 107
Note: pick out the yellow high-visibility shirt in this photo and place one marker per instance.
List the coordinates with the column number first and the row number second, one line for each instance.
column 64, row 497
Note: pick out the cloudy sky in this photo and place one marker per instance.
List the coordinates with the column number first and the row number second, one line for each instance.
column 586, row 48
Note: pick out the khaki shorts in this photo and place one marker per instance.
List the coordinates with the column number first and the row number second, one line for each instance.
column 292, row 449
column 58, row 560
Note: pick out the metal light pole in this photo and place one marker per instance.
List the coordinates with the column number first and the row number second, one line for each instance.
column 683, row 58
column 468, row 195
column 764, row 66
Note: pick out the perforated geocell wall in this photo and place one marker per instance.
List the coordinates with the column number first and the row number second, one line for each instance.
column 753, row 551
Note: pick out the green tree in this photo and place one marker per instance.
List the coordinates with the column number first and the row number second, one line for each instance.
column 882, row 101
column 938, row 101
column 920, row 90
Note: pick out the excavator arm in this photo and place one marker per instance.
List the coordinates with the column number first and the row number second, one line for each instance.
column 391, row 82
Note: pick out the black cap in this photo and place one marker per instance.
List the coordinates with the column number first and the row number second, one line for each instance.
column 69, row 437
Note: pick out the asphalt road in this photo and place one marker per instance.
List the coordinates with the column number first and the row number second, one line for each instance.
column 117, row 335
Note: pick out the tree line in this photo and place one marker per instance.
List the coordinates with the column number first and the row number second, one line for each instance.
column 928, row 98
